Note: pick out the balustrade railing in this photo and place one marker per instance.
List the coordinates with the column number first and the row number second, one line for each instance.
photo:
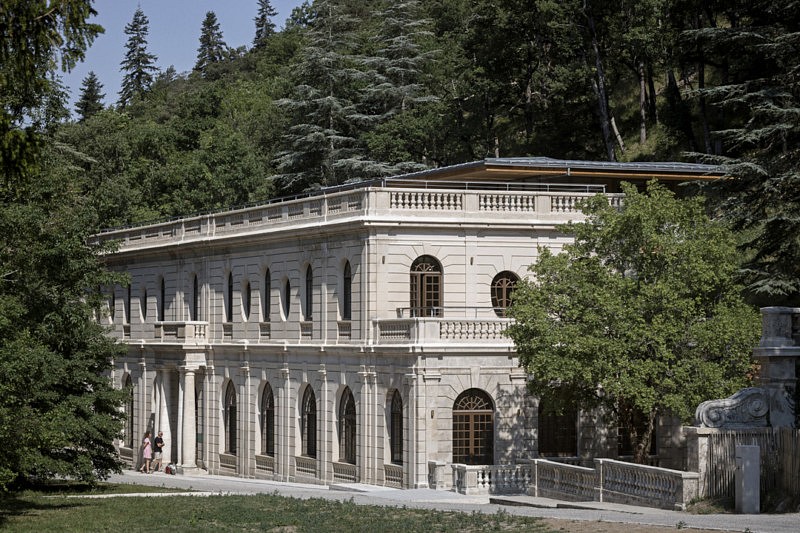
column 645, row 485
column 183, row 332
column 393, row 475
column 227, row 461
column 345, row 472
column 265, row 463
column 436, row 330
column 371, row 201
column 305, row 466
column 609, row 480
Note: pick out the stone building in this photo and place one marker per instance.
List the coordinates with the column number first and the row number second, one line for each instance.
column 354, row 334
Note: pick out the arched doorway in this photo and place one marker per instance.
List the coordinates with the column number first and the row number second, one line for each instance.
column 473, row 428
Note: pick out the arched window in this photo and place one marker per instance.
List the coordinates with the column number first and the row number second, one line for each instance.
column 229, row 299
column 246, row 300
column 347, row 428
column 112, row 303
column 396, row 428
column 266, row 297
column 502, row 287
column 308, row 423
column 473, row 428
column 128, row 436
column 267, row 421
column 127, row 317
column 426, row 287
column 195, row 308
column 347, row 292
column 287, row 294
column 230, row 419
column 308, row 301
column 143, row 305
column 558, row 432
column 162, row 301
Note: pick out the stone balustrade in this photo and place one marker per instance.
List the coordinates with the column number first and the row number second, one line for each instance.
column 265, row 463
column 185, row 332
column 375, row 203
column 609, row 481
column 439, row 330
column 650, row 486
column 305, row 466
column 393, row 475
column 345, row 472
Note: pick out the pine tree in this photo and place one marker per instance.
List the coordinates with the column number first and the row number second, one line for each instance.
column 757, row 125
column 264, row 25
column 91, row 100
column 138, row 65
column 212, row 46
column 322, row 147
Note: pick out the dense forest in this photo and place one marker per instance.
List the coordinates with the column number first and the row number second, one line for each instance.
column 354, row 89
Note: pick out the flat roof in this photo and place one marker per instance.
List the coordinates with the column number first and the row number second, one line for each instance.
column 522, row 168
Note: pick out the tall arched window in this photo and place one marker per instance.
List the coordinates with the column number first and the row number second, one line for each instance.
column 128, row 436
column 287, row 302
column 246, row 300
column 308, row 423
column 195, row 308
column 473, row 428
column 347, row 293
column 308, row 301
column 112, row 303
column 347, row 428
column 143, row 305
column 426, row 287
column 229, row 299
column 266, row 297
column 162, row 301
column 127, row 317
column 558, row 432
column 502, row 287
column 396, row 428
column 230, row 419
column 267, row 421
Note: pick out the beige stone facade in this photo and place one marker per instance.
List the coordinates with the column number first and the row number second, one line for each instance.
column 351, row 335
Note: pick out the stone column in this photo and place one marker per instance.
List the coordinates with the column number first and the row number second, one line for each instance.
column 778, row 354
column 188, row 430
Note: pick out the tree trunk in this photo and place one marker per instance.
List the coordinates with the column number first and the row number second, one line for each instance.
column 651, row 90
column 642, row 449
column 617, row 136
column 599, row 86
column 642, row 104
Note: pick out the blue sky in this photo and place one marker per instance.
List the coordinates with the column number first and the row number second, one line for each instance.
column 173, row 38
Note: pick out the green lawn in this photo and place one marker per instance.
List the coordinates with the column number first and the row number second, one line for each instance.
column 45, row 511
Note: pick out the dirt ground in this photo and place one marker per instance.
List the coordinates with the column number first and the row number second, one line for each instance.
column 585, row 526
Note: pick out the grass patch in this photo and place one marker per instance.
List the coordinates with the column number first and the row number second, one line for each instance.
column 40, row 512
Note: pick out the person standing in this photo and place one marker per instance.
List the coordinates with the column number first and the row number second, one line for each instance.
column 147, row 453
column 158, row 449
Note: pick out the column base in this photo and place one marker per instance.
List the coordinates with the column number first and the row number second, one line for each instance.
column 191, row 470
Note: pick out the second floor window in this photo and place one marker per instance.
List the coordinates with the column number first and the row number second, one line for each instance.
column 347, row 293
column 502, row 288
column 308, row 308
column 426, row 287
column 229, row 299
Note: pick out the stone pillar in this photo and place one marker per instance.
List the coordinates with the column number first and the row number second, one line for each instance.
column 163, row 424
column 188, row 430
column 778, row 354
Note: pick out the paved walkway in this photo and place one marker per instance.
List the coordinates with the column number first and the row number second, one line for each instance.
column 451, row 501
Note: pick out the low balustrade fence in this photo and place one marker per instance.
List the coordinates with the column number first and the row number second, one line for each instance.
column 345, row 472
column 609, row 480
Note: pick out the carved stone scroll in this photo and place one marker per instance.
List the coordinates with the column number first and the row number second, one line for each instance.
column 747, row 408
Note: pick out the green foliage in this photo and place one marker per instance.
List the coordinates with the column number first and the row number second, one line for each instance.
column 265, row 27
column 138, row 65
column 212, row 46
column 91, row 100
column 58, row 411
column 640, row 315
